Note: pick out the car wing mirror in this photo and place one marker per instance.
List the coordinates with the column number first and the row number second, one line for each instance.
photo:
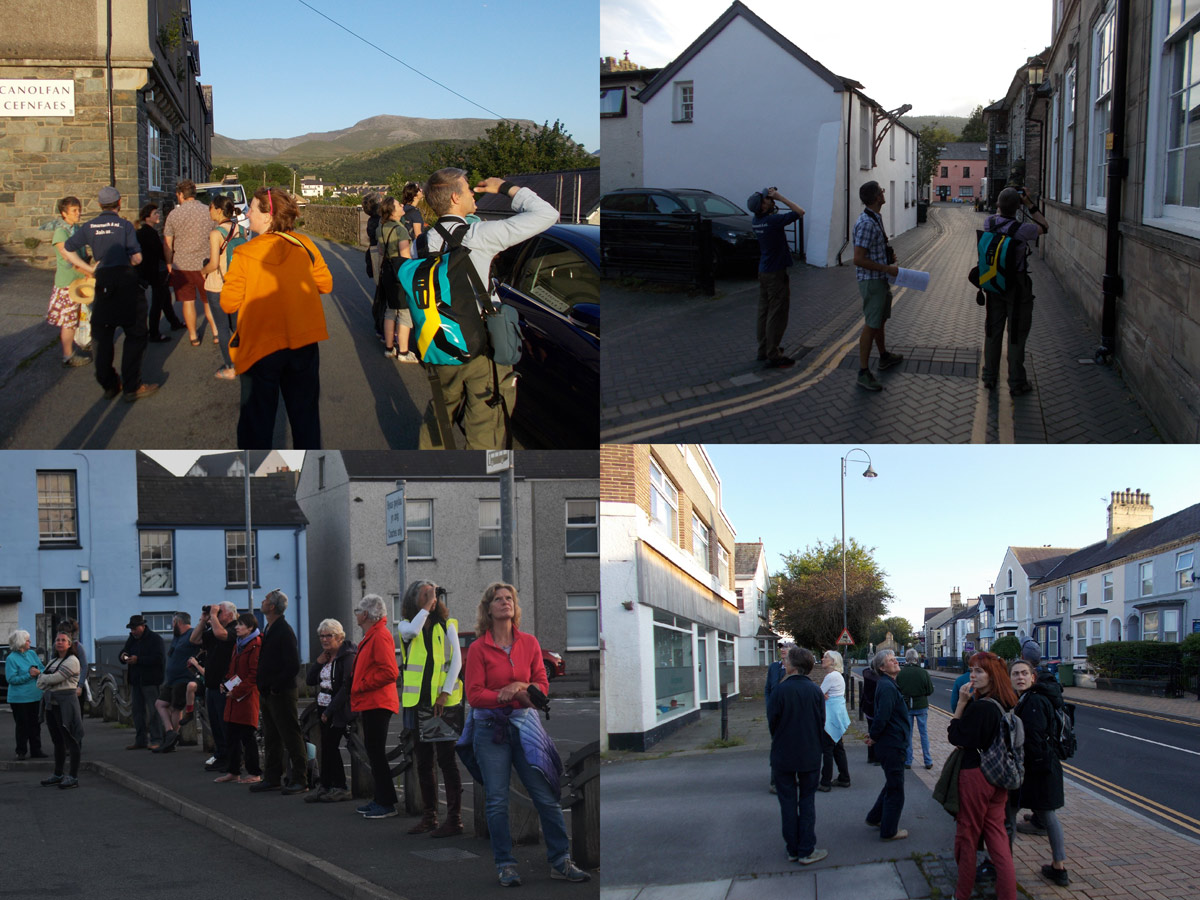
column 586, row 316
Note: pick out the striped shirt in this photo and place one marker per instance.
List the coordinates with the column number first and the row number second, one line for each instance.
column 868, row 234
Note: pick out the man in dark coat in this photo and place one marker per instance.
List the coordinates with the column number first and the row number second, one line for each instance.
column 278, row 666
column 775, row 674
column 144, row 655
column 890, row 733
column 796, row 717
column 866, row 703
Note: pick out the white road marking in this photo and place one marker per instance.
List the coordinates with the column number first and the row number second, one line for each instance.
column 1148, row 741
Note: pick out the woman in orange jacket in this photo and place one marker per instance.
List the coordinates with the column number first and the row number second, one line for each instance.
column 373, row 696
column 274, row 284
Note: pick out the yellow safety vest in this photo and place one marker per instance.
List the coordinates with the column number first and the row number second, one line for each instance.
column 414, row 667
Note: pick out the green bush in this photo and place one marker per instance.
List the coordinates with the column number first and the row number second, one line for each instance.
column 1007, row 648
column 1149, row 660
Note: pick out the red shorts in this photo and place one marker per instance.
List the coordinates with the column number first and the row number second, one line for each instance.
column 188, row 285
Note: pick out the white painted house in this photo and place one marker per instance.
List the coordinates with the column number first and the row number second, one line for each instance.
column 756, row 640
column 794, row 125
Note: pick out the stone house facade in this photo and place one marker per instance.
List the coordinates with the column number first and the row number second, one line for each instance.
column 162, row 117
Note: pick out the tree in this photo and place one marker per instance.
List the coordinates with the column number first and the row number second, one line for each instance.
column 508, row 148
column 899, row 626
column 808, row 601
column 976, row 128
column 929, row 150
column 1007, row 647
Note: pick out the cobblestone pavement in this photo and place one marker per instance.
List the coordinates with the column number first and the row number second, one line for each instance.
column 681, row 366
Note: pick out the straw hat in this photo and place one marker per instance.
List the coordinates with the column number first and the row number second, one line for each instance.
column 82, row 289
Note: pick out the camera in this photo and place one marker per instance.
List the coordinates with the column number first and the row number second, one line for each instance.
column 440, row 593
column 891, row 255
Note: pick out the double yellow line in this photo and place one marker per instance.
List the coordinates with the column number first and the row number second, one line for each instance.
column 1133, row 799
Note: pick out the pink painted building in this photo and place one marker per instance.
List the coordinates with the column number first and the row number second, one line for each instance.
column 960, row 173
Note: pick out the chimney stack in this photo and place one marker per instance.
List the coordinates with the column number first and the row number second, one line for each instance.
column 1128, row 510
column 955, row 599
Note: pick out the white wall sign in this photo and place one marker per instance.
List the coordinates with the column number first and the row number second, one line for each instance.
column 395, row 517
column 35, row 97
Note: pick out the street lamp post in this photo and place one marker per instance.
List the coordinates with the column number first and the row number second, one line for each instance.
column 869, row 473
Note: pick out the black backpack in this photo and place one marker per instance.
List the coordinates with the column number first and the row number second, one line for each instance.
column 1061, row 736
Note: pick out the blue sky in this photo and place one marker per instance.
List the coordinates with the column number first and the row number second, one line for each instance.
column 942, row 516
column 522, row 59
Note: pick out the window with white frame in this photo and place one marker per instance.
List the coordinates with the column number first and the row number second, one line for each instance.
column 235, row 558
column 761, row 602
column 154, row 156
column 1170, row 626
column 1010, row 577
column 57, row 513
column 1068, row 148
column 1102, row 79
column 700, row 542
column 741, row 599
column 1083, row 593
column 1062, row 598
column 763, row 651
column 684, row 100
column 1042, row 604
column 664, row 502
column 966, row 190
column 418, row 529
column 583, row 527
column 156, row 552
column 160, row 622
column 1150, row 625
column 583, row 621
column 489, row 529
column 1086, row 631
column 1185, row 577
column 60, row 606
column 1106, row 588
column 1146, row 578
column 1052, row 641
column 722, row 564
column 1055, row 103
column 1178, row 77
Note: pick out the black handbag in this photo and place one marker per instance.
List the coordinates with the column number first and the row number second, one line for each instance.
column 446, row 727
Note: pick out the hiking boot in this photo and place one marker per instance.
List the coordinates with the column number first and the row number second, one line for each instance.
column 890, row 359
column 1058, row 876
column 76, row 359
column 336, row 795
column 568, row 871
column 451, row 827
column 315, row 796
column 868, row 382
column 509, row 877
column 815, row 856
column 144, row 390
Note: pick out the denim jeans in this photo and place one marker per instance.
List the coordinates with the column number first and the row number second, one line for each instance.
column 496, row 762
column 797, row 792
column 919, row 717
column 890, row 802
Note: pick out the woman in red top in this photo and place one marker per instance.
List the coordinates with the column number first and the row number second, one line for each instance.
column 241, row 702
column 373, row 696
column 501, row 666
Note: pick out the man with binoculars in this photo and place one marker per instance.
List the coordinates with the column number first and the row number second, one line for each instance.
column 774, row 288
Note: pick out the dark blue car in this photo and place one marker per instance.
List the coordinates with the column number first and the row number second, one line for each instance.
column 553, row 282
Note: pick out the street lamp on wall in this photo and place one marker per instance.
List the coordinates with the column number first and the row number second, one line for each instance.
column 869, row 473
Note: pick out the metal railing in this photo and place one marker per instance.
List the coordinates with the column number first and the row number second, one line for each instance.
column 674, row 249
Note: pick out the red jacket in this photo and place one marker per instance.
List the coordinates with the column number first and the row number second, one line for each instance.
column 489, row 669
column 375, row 671
column 241, row 704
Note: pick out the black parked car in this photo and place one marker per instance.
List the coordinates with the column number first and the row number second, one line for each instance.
column 553, row 282
column 734, row 241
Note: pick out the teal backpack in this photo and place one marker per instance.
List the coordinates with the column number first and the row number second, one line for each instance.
column 998, row 255
column 232, row 241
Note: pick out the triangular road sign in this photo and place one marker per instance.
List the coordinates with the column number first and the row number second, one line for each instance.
column 845, row 638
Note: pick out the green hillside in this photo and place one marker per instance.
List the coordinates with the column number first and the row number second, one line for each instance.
column 377, row 166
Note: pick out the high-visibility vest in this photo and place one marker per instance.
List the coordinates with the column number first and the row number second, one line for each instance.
column 414, row 667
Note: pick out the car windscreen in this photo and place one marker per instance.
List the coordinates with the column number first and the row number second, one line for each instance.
column 710, row 205
column 233, row 191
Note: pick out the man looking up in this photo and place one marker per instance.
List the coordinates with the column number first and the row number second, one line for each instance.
column 774, row 260
column 278, row 665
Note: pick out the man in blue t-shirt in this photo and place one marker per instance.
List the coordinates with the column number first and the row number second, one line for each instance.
column 774, row 288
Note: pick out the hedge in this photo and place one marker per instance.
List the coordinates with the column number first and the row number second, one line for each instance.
column 1150, row 660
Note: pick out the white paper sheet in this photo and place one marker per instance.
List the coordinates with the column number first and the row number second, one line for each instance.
column 232, row 683
column 911, row 278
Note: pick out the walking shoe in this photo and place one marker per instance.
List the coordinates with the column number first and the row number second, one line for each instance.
column 824, row 788
column 989, row 383
column 1058, row 876
column 169, row 742
column 1030, row 828
column 362, row 810
column 407, row 357
column 389, row 352
column 898, row 836
column 840, row 783
column 815, row 856
column 890, row 359
column 261, row 787
column 76, row 359
column 20, row 756
column 509, row 877
column 793, row 858
column 779, row 362
column 225, row 779
column 336, row 795
column 68, row 781
column 868, row 382
column 428, row 823
column 51, row 781
column 1023, row 388
column 136, row 747
column 144, row 390
column 929, row 765
column 985, row 871
column 870, row 824
column 250, row 779
column 568, row 871
column 110, row 392
column 210, row 760
column 315, row 796
column 295, row 787
column 375, row 811
column 449, row 828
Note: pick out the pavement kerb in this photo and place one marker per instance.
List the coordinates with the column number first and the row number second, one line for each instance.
column 324, row 874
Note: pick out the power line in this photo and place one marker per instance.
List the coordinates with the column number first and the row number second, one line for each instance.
column 402, row 62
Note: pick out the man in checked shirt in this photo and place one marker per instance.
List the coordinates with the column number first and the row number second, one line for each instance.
column 874, row 262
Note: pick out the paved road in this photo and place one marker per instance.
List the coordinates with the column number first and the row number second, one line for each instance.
column 119, row 846
column 682, row 366
column 367, row 401
column 1124, row 755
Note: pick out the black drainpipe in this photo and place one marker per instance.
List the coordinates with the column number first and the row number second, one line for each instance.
column 849, row 117
column 1118, row 169
column 112, row 149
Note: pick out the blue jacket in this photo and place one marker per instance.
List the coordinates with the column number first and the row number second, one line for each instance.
column 21, row 687
column 774, row 676
column 796, row 717
column 177, row 657
column 890, row 726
